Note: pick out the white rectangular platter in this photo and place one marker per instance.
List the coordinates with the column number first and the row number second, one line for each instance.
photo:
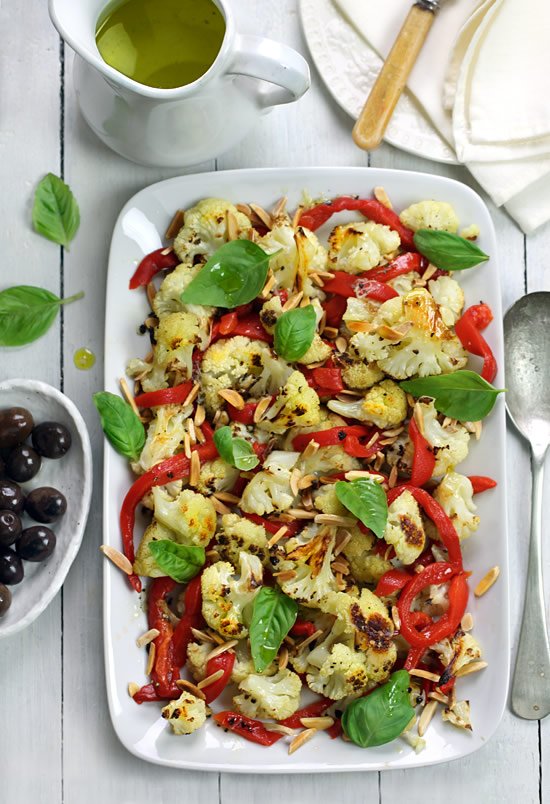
column 141, row 729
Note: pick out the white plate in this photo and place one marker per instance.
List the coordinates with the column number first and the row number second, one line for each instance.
column 349, row 67
column 72, row 475
column 140, row 728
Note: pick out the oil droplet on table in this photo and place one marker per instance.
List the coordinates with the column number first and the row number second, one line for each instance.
column 84, row 359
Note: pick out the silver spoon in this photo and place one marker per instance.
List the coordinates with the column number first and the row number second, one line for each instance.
column 527, row 352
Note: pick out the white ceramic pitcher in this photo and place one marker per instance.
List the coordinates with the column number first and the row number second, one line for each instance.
column 189, row 124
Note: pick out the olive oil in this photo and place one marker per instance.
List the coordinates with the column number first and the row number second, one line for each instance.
column 84, row 359
column 160, row 43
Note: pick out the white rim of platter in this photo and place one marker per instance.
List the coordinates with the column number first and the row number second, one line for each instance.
column 349, row 67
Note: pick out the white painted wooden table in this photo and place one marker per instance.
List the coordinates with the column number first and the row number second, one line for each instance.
column 56, row 739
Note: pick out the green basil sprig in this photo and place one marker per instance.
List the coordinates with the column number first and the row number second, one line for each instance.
column 462, row 395
column 235, row 451
column 122, row 427
column 448, row 251
column 181, row 562
column 366, row 499
column 234, row 275
column 273, row 616
column 381, row 716
column 294, row 332
column 27, row 313
column 55, row 213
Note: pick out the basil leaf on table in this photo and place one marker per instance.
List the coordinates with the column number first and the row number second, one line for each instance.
column 463, row 395
column 55, row 213
column 27, row 312
column 122, row 427
column 448, row 251
column 181, row 562
column 366, row 499
column 294, row 332
column 235, row 451
column 381, row 716
column 273, row 616
column 234, row 275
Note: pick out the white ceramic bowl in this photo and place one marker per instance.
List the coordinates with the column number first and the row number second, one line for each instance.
column 72, row 475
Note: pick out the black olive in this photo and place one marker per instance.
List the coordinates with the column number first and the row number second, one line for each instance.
column 45, row 504
column 5, row 599
column 2, row 467
column 10, row 528
column 15, row 425
column 11, row 567
column 11, row 497
column 23, row 463
column 51, row 439
column 36, row 543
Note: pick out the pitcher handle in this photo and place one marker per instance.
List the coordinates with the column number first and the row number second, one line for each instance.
column 262, row 58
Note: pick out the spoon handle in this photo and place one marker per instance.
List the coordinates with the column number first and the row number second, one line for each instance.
column 531, row 687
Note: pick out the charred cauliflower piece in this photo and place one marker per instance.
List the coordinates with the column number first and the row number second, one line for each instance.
column 237, row 534
column 360, row 246
column 360, row 376
column 224, row 596
column 430, row 215
column 297, row 405
column 404, row 529
column 168, row 298
column 309, row 555
column 296, row 253
column 449, row 297
column 216, row 475
column 186, row 714
column 204, row 229
column 455, row 496
column 165, row 434
column 276, row 696
column 344, row 672
column 176, row 336
column 144, row 563
column 384, row 405
column 190, row 515
column 366, row 566
column 269, row 490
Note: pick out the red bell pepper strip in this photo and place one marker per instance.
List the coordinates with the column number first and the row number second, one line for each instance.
column 444, row 525
column 166, row 396
column 334, row 309
column 423, row 462
column 151, row 264
column 165, row 671
column 369, row 207
column 392, row 581
column 173, row 468
column 468, row 328
column 192, row 618
column 253, row 730
column 348, row 285
column 403, row 264
column 244, row 416
column 353, row 447
column 381, row 547
column 427, row 557
column 251, row 327
column 328, row 379
column 481, row 483
column 227, row 324
column 303, row 628
column 224, row 662
column 149, row 693
column 313, row 710
column 334, row 436
column 336, row 729
column 418, row 619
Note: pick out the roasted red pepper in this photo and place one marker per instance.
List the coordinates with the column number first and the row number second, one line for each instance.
column 225, row 662
column 403, row 264
column 165, row 670
column 360, row 285
column 468, row 328
column 335, row 309
column 192, row 618
column 156, row 261
column 327, row 381
column 253, row 730
column 251, row 326
column 227, row 324
column 303, row 628
column 336, row 729
column 149, row 693
column 315, row 709
column 244, row 416
column 369, row 207
column 480, row 483
column 423, row 463
column 353, row 447
column 419, row 620
column 392, row 581
column 166, row 396
column 331, row 437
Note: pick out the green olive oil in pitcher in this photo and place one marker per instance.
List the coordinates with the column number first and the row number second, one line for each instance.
column 160, row 43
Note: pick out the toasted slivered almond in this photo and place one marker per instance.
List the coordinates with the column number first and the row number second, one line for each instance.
column 396, row 618
column 394, row 432
column 427, row 714
column 128, row 396
column 200, row 415
column 191, row 430
column 306, row 481
column 320, row 723
column 151, row 659
column 439, row 697
column 425, row 674
column 280, row 207
column 487, row 581
column 467, row 622
column 322, row 323
column 334, row 519
column 212, row 555
column 264, row 216
column 245, row 209
column 384, row 442
column 219, row 507
column 261, row 409
column 300, row 513
column 210, row 679
column 472, row 667
column 338, row 566
column 300, row 739
column 118, row 558
column 280, row 729
column 293, row 301
column 202, row 636
column 277, row 536
column 327, row 480
column 221, row 649
column 268, row 287
column 184, row 684
column 310, row 450
column 297, row 216
column 325, row 274
column 192, row 395
column 475, row 428
column 151, row 322
column 307, row 499
column 343, row 540
column 166, row 251
column 226, row 496
column 381, row 195
column 411, row 401
column 356, row 474
column 175, row 225
column 283, row 658
column 392, row 478
column 429, row 272
column 341, row 344
column 359, row 326
column 187, row 445
column 289, row 641
column 233, row 397
column 308, row 640
column 285, row 575
column 194, row 469
column 147, row 637
column 331, row 333
column 133, row 688
column 419, row 418
column 231, row 225
column 201, row 438
column 151, row 292
column 389, row 333
column 295, row 476
column 452, row 697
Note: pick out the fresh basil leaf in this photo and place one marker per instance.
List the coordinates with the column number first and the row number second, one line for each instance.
column 462, row 395
column 181, row 562
column 55, row 213
column 381, row 716
column 27, row 312
column 366, row 499
column 448, row 251
column 123, row 428
column 273, row 616
column 234, row 275
column 294, row 332
column 235, row 451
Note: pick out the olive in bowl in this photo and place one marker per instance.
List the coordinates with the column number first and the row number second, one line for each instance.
column 45, row 504
column 15, row 426
column 51, row 439
column 11, row 497
column 36, row 543
column 11, row 567
column 10, row 528
column 5, row 599
column 23, row 463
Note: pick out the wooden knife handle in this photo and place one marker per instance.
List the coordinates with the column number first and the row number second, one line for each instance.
column 378, row 109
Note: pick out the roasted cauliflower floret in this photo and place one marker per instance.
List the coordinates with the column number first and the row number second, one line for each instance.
column 204, row 229
column 318, row 351
column 270, row 313
column 359, row 309
column 309, row 555
column 326, row 501
column 296, row 405
column 238, row 533
column 455, row 496
column 458, row 715
column 216, row 475
column 449, row 297
column 244, row 664
column 344, row 672
column 197, row 653
column 144, row 563
column 186, row 714
column 450, row 443
column 457, row 652
column 225, row 596
column 276, row 696
column 360, row 246
column 168, row 297
column 360, row 376
column 384, row 405
column 296, row 253
column 366, row 566
column 430, row 215
column 177, row 335
column 404, row 529
column 165, row 435
column 190, row 515
column 269, row 490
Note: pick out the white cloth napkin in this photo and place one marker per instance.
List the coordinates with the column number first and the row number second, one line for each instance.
column 488, row 62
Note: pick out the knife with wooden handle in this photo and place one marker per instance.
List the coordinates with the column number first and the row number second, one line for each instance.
column 378, row 109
